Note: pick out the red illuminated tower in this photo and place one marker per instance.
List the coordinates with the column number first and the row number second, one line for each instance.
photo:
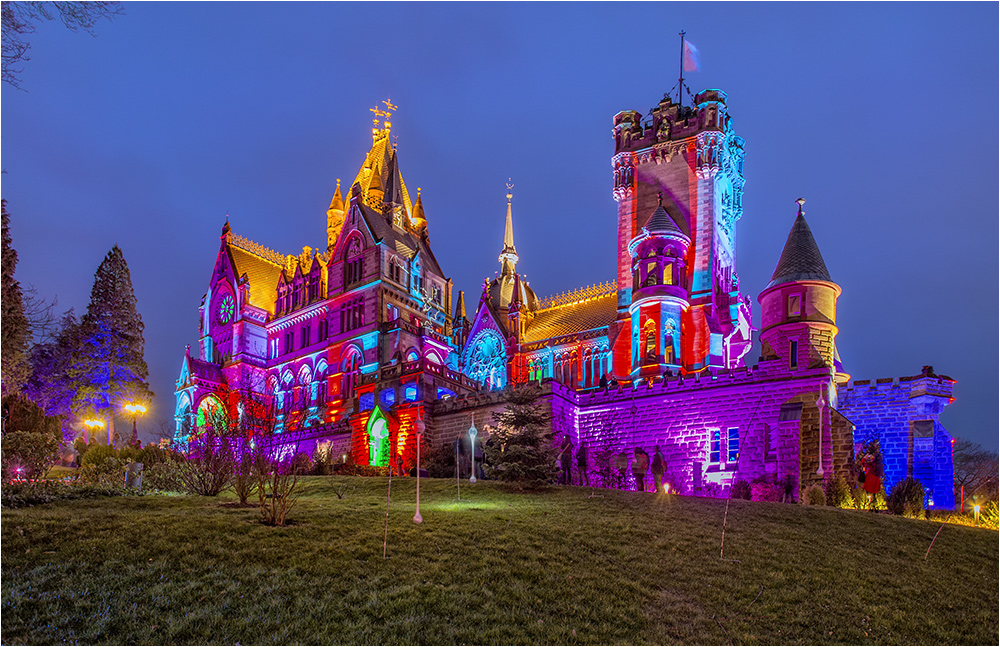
column 693, row 158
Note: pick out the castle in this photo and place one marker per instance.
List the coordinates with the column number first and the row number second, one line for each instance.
column 355, row 346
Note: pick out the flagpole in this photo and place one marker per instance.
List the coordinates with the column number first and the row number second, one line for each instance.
column 680, row 79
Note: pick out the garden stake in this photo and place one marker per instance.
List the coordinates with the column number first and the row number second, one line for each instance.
column 722, row 546
column 385, row 537
column 933, row 540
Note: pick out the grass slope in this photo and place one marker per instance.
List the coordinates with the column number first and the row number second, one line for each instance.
column 557, row 567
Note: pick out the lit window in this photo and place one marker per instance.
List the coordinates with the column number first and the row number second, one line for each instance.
column 366, row 401
column 733, row 440
column 713, row 454
column 410, row 393
column 793, row 354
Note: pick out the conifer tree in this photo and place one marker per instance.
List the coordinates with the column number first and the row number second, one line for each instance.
column 50, row 385
column 108, row 366
column 520, row 447
column 15, row 329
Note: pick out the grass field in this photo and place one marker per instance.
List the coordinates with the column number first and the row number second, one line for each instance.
column 554, row 568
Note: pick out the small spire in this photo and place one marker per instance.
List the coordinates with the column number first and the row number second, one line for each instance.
column 460, row 306
column 508, row 255
column 337, row 204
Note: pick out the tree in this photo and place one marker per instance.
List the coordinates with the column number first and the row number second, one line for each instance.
column 976, row 470
column 19, row 20
column 108, row 367
column 50, row 385
column 520, row 449
column 31, row 440
column 15, row 330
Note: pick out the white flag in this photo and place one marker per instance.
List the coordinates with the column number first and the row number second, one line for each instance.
column 692, row 62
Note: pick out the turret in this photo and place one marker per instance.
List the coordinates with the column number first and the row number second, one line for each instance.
column 659, row 294
column 799, row 307
column 334, row 218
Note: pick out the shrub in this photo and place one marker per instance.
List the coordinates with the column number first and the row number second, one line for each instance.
column 300, row 464
column 766, row 492
column 838, row 493
column 209, row 468
column 28, row 454
column 276, row 491
column 906, row 498
column 814, row 495
column 165, row 476
column 350, row 469
column 740, row 490
column 22, row 495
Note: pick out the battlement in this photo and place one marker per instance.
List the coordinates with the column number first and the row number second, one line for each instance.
column 912, row 386
column 670, row 121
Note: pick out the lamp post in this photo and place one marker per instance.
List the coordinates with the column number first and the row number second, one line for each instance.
column 472, row 450
column 420, row 436
column 136, row 410
column 820, row 404
column 976, row 510
column 93, row 424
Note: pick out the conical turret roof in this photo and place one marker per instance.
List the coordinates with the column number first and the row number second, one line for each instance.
column 800, row 259
column 337, row 204
column 661, row 223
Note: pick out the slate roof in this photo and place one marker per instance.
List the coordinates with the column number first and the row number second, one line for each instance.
column 262, row 274
column 205, row 370
column 402, row 242
column 557, row 321
column 661, row 223
column 800, row 259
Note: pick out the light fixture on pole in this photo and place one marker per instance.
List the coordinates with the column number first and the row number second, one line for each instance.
column 93, row 424
column 472, row 441
column 136, row 410
column 420, row 436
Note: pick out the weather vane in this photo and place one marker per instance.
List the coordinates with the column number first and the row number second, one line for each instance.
column 385, row 114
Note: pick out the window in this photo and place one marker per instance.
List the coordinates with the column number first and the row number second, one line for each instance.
column 794, row 305
column 713, row 451
column 313, row 287
column 289, row 341
column 352, row 315
column 322, row 329
column 305, row 335
column 793, row 354
column 388, row 397
column 436, row 295
column 410, row 393
column 396, row 271
column 733, row 440
column 352, row 271
column 366, row 402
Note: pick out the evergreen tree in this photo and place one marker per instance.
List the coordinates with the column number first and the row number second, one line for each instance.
column 15, row 329
column 520, row 448
column 108, row 367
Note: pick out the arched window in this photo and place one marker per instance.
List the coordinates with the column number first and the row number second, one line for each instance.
column 350, row 366
column 321, row 372
column 378, row 437
column 486, row 360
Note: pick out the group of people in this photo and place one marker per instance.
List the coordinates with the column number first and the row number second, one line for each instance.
column 641, row 466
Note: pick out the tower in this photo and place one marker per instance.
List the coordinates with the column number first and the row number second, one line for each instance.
column 693, row 158
column 799, row 307
column 659, row 294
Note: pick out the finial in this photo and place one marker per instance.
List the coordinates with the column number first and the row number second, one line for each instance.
column 510, row 189
column 418, row 191
column 800, row 202
column 659, row 196
column 338, row 183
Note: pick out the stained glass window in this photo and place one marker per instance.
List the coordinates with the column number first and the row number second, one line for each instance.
column 487, row 360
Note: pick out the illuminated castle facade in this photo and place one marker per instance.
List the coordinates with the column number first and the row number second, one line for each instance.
column 357, row 345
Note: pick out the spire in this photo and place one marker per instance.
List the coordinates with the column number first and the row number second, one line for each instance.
column 515, row 297
column 661, row 222
column 800, row 259
column 460, row 306
column 508, row 255
column 337, row 204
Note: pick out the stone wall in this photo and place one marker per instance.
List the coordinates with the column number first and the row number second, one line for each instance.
column 902, row 414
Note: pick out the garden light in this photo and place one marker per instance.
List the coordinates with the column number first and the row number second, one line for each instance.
column 136, row 410
column 472, row 440
column 976, row 510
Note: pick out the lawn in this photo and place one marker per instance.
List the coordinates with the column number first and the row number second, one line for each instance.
column 558, row 567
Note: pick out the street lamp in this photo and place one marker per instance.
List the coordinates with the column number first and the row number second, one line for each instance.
column 472, row 440
column 420, row 436
column 136, row 410
column 93, row 425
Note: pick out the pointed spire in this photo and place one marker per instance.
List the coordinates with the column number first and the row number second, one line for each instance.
column 418, row 210
column 460, row 306
column 800, row 259
column 515, row 297
column 337, row 204
column 661, row 222
column 508, row 255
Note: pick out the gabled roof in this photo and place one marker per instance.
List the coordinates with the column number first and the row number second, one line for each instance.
column 402, row 242
column 263, row 275
column 205, row 370
column 557, row 321
column 800, row 259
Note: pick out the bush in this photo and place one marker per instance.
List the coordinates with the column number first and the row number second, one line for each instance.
column 814, row 495
column 740, row 490
column 165, row 476
column 209, row 468
column 300, row 464
column 906, row 498
column 766, row 492
column 22, row 495
column 350, row 469
column 28, row 454
column 838, row 493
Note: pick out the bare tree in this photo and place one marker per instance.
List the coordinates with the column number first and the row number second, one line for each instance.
column 21, row 18
column 975, row 470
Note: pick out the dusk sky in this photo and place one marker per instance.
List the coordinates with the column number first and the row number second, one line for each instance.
column 883, row 116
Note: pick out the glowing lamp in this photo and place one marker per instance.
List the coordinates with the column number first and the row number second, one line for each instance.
column 135, row 409
column 94, row 424
column 976, row 510
column 472, row 440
